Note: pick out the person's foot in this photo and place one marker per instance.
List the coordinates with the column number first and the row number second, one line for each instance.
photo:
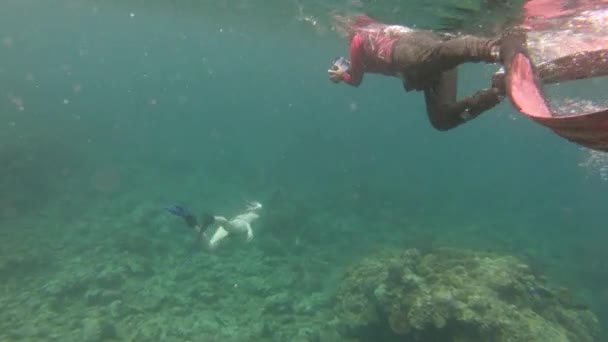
column 480, row 102
column 510, row 42
column 510, row 39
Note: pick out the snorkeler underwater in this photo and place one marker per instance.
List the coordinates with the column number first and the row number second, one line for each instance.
column 240, row 224
column 307, row 171
column 428, row 62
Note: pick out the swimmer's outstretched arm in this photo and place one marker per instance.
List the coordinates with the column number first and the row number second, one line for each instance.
column 221, row 220
column 254, row 206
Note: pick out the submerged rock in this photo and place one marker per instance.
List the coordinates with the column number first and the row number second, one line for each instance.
column 279, row 303
column 97, row 330
column 455, row 295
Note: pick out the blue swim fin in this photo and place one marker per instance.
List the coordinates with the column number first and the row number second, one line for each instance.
column 184, row 213
column 178, row 210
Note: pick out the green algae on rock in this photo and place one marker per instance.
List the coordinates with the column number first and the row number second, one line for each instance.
column 455, row 295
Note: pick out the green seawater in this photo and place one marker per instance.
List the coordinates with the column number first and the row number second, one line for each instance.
column 112, row 110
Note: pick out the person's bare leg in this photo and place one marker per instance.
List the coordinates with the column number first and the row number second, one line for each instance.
column 218, row 236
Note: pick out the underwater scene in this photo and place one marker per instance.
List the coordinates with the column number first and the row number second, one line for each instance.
column 188, row 171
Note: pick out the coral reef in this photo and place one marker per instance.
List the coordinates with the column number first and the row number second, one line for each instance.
column 127, row 273
column 456, row 295
column 126, row 287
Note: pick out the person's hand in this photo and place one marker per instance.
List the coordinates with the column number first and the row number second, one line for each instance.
column 335, row 75
column 255, row 205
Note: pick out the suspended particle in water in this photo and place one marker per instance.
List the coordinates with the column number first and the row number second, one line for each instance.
column 67, row 70
column 7, row 41
column 17, row 101
column 182, row 99
column 132, row 15
column 66, row 101
column 77, row 88
column 153, row 102
column 353, row 106
column 309, row 19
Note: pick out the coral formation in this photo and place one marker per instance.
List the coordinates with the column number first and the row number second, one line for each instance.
column 129, row 275
column 456, row 295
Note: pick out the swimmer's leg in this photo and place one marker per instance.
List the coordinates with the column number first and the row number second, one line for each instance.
column 218, row 236
column 445, row 112
column 249, row 232
column 449, row 54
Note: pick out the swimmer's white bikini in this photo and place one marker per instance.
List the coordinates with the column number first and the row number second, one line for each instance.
column 240, row 224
